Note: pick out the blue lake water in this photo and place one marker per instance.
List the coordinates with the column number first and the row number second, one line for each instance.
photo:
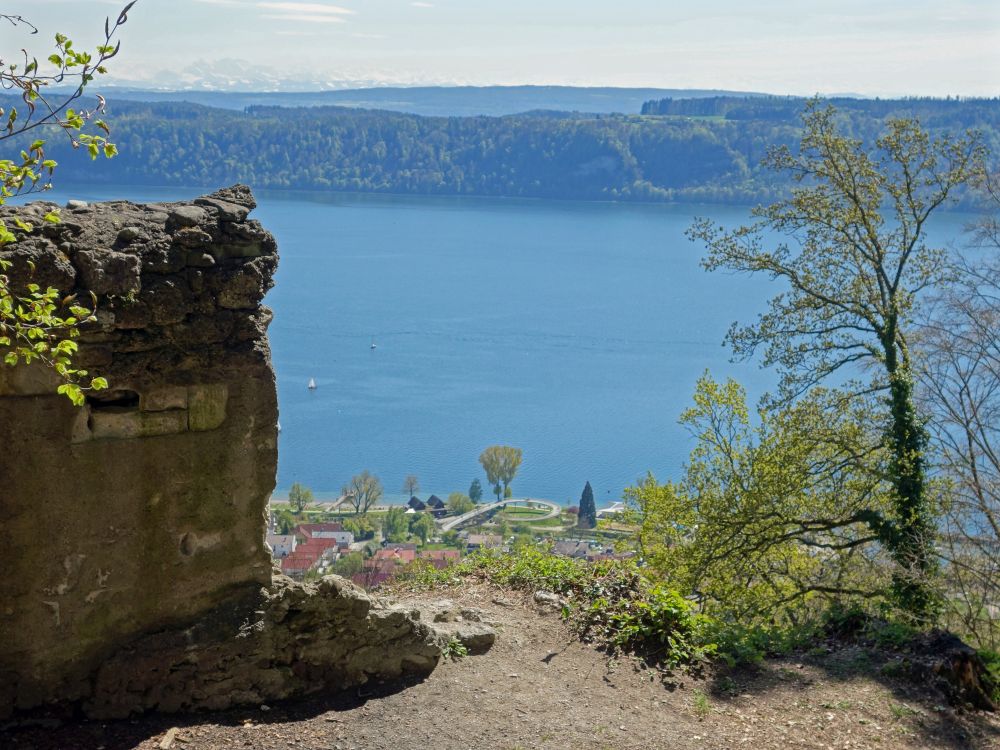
column 575, row 331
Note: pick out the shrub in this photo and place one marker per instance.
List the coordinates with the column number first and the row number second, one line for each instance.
column 609, row 603
column 992, row 661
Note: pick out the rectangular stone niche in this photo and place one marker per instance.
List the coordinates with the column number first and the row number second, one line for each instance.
column 127, row 415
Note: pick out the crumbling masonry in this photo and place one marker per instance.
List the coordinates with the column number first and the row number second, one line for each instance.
column 135, row 574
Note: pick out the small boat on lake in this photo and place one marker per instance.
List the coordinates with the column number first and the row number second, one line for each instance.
column 374, row 345
column 312, row 384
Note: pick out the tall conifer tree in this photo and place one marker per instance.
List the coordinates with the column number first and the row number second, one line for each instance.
column 588, row 510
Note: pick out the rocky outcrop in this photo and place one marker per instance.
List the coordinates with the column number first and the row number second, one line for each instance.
column 132, row 528
column 299, row 639
column 450, row 623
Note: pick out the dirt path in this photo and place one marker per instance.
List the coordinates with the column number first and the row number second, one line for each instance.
column 538, row 688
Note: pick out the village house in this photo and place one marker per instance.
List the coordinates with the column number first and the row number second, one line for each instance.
column 483, row 541
column 416, row 504
column 437, row 506
column 316, row 551
column 282, row 545
column 439, row 558
column 334, row 531
column 575, row 548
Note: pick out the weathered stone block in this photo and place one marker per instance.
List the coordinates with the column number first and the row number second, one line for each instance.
column 132, row 424
column 227, row 211
column 27, row 380
column 130, row 233
column 192, row 237
column 95, row 357
column 242, row 290
column 207, row 406
column 38, row 262
column 187, row 216
column 115, row 425
column 162, row 256
column 162, row 399
column 132, row 314
column 108, row 272
column 167, row 301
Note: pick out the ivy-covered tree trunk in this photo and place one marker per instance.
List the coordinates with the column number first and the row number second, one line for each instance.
column 855, row 261
column 909, row 537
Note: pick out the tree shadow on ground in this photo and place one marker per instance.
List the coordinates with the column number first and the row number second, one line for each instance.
column 61, row 730
column 917, row 705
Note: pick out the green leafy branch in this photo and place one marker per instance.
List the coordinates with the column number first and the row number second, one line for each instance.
column 37, row 326
column 41, row 327
column 27, row 79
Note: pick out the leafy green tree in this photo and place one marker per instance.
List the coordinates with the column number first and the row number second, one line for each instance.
column 500, row 462
column 299, row 497
column 459, row 503
column 349, row 565
column 476, row 491
column 772, row 515
column 587, row 518
column 452, row 539
column 411, row 485
column 363, row 491
column 959, row 380
column 422, row 524
column 396, row 524
column 854, row 266
column 36, row 325
column 361, row 526
column 284, row 521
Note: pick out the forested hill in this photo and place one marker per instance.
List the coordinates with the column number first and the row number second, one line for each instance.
column 958, row 114
column 433, row 101
column 680, row 155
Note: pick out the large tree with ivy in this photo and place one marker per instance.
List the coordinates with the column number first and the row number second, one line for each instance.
column 853, row 260
column 36, row 325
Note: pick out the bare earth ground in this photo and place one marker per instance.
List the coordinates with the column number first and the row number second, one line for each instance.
column 539, row 688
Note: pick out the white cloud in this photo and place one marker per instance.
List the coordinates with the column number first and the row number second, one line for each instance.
column 306, row 8
column 419, row 4
column 303, row 17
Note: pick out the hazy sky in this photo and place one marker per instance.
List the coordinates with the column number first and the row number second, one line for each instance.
column 883, row 47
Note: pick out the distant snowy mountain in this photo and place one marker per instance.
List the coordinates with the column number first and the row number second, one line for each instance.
column 238, row 75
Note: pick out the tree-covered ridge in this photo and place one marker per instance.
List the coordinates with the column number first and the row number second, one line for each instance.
column 933, row 113
column 687, row 157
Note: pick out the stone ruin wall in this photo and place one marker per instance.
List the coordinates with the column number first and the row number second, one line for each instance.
column 135, row 573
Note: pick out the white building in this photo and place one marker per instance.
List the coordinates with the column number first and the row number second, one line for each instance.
column 613, row 510
column 326, row 531
column 282, row 545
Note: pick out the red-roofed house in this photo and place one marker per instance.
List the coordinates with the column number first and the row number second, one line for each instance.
column 308, row 554
column 333, row 531
column 440, row 558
